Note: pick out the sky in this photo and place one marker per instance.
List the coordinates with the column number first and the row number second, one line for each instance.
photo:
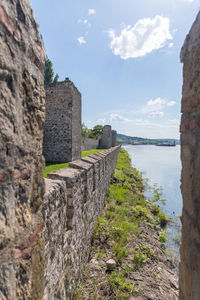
column 123, row 56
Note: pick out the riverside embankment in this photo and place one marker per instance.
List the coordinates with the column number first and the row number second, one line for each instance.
column 162, row 167
column 130, row 231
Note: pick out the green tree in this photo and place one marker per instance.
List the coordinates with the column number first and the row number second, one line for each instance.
column 84, row 130
column 96, row 132
column 56, row 78
column 48, row 72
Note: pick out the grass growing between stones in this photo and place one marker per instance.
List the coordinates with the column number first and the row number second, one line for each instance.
column 129, row 230
column 51, row 167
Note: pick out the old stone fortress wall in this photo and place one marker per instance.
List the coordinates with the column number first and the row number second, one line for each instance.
column 73, row 200
column 74, row 196
column 62, row 130
column 46, row 226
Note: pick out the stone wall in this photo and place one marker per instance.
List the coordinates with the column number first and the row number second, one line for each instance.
column 109, row 139
column 190, row 154
column 62, row 131
column 89, row 144
column 22, row 109
column 74, row 198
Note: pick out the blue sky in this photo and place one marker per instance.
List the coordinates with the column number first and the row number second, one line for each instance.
column 123, row 56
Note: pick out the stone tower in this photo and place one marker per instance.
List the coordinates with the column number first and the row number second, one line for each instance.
column 62, row 131
column 106, row 140
column 114, row 138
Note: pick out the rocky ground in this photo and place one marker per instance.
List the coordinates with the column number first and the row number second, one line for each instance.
column 128, row 258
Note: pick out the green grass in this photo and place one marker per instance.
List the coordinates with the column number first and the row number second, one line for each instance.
column 51, row 167
column 90, row 152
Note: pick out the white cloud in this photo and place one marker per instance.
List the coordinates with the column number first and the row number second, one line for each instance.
column 118, row 118
column 156, row 105
column 171, row 45
column 84, row 21
column 81, row 40
column 91, row 11
column 101, row 121
column 157, row 114
column 144, row 37
column 171, row 103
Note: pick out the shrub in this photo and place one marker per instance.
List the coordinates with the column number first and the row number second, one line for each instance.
column 163, row 219
column 162, row 239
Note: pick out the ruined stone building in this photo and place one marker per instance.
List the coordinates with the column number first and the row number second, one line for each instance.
column 62, row 130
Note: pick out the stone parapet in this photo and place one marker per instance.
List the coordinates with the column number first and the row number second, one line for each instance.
column 74, row 198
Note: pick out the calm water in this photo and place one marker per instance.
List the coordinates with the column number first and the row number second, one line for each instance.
column 162, row 165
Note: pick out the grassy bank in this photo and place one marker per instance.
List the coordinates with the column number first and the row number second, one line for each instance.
column 130, row 231
column 51, row 167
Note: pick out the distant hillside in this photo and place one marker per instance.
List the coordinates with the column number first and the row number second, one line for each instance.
column 134, row 140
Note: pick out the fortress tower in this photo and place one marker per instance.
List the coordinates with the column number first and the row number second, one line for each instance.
column 62, row 131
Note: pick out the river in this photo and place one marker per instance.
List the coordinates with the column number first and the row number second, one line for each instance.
column 162, row 165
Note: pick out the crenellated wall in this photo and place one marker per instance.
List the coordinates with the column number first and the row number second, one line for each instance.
column 73, row 200
column 189, row 278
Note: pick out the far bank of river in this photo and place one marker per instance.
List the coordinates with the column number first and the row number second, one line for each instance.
column 162, row 165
